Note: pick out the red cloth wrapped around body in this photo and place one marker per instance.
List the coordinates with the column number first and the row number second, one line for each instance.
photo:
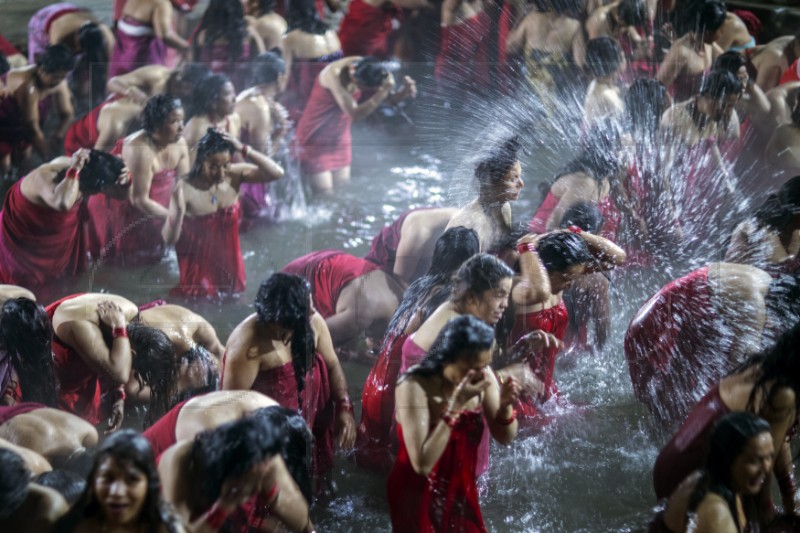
column 37, row 243
column 301, row 82
column 161, row 435
column 136, row 46
column 365, row 29
column 447, row 500
column 7, row 412
column 463, row 58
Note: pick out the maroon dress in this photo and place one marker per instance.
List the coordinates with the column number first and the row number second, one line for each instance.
column 463, row 61
column 383, row 250
column 365, row 29
column 301, row 81
column 136, row 46
column 161, row 435
column 447, row 500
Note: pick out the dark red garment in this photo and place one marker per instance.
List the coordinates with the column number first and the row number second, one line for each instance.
column 137, row 46
column 217, row 57
column 383, row 250
column 279, row 383
column 210, row 256
column 9, row 412
column 463, row 58
column 365, row 30
column 301, row 82
column 608, row 209
column 161, row 435
column 322, row 139
column 328, row 272
column 673, row 346
column 37, row 243
column 375, row 439
column 121, row 234
column 542, row 363
column 8, row 49
column 81, row 387
column 14, row 134
column 791, row 74
column 83, row 132
column 447, row 500
column 686, row 451
column 412, row 354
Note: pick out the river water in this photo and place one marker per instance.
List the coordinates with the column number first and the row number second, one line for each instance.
column 590, row 468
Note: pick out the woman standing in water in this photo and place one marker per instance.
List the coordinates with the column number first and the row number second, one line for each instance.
column 444, row 405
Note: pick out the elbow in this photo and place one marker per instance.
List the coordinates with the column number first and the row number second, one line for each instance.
column 139, row 202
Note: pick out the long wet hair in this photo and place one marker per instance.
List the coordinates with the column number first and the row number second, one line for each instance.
column 156, row 366
column 131, row 448
column 480, row 273
column 700, row 16
column 302, row 15
column 156, row 111
column 644, row 104
column 370, row 72
column 230, row 450
column 603, row 56
column 296, row 443
column 206, row 94
column 561, row 250
column 56, row 58
column 224, row 19
column 92, row 62
column 720, row 84
column 199, row 355
column 26, row 335
column 728, row 439
column 101, row 172
column 425, row 294
column 464, row 337
column 494, row 167
column 211, row 143
column 14, row 482
column 779, row 209
column 284, row 299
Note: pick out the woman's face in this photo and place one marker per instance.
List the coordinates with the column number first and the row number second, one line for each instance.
column 491, row 304
column 753, row 465
column 172, row 128
column 563, row 279
column 226, row 100
column 455, row 371
column 242, row 487
column 121, row 490
column 509, row 187
column 216, row 166
column 744, row 77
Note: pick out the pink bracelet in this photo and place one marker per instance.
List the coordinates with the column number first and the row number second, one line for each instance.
column 216, row 516
column 575, row 229
column 245, row 151
column 344, row 405
column 526, row 247
column 72, row 173
column 119, row 332
column 507, row 421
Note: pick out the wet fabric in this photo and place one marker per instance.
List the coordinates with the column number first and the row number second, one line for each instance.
column 375, row 439
column 37, row 243
column 791, row 74
column 365, row 29
column 301, row 82
column 8, row 49
column 83, row 132
column 210, row 255
column 323, row 141
column 279, row 383
column 675, row 347
column 161, row 435
column 121, row 234
column 136, row 46
column 39, row 27
column 9, row 412
column 542, row 363
column 81, row 387
column 463, row 61
column 383, row 249
column 447, row 499
column 328, row 272
column 217, row 58
column 686, row 451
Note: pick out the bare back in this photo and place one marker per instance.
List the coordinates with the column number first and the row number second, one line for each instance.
column 211, row 410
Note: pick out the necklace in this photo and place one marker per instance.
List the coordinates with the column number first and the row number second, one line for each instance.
column 214, row 194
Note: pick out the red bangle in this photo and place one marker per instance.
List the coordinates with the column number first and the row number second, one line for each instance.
column 119, row 332
column 575, row 229
column 450, row 420
column 526, row 247
column 72, row 173
column 245, row 151
column 216, row 516
column 507, row 421
column 344, row 404
column 120, row 393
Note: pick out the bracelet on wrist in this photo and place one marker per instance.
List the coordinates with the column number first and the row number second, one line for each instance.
column 506, row 421
column 119, row 393
column 72, row 173
column 216, row 516
column 245, row 151
column 119, row 332
column 526, row 247
column 344, row 405
column 575, row 229
column 450, row 419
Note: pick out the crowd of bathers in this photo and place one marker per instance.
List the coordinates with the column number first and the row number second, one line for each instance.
column 687, row 151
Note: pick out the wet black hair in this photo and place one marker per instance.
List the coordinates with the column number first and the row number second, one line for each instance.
column 497, row 163
column 284, row 299
column 463, row 337
column 156, row 366
column 156, row 111
column 600, row 155
column 69, row 484
column 719, row 84
column 700, row 16
column 199, row 355
column 603, row 56
column 370, row 72
column 266, row 6
column 93, row 61
column 560, row 250
column 191, row 75
column 644, row 104
column 14, row 482
column 230, row 450
column 424, row 295
column 26, row 335
column 211, row 143
column 302, row 15
column 633, row 13
column 779, row 209
column 131, row 448
column 730, row 61
column 480, row 273
column 223, row 19
column 585, row 215
column 100, row 172
column 205, row 95
column 727, row 441
column 4, row 64
column 267, row 67
column 56, row 58
column 297, row 443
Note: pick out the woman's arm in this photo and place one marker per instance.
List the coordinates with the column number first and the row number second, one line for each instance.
column 142, row 178
column 240, row 368
column 348, row 104
column 171, row 232
column 498, row 406
column 162, row 26
column 62, row 196
column 608, row 254
column 534, row 284
column 261, row 169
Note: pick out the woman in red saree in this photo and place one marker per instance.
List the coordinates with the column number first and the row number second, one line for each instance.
column 443, row 406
